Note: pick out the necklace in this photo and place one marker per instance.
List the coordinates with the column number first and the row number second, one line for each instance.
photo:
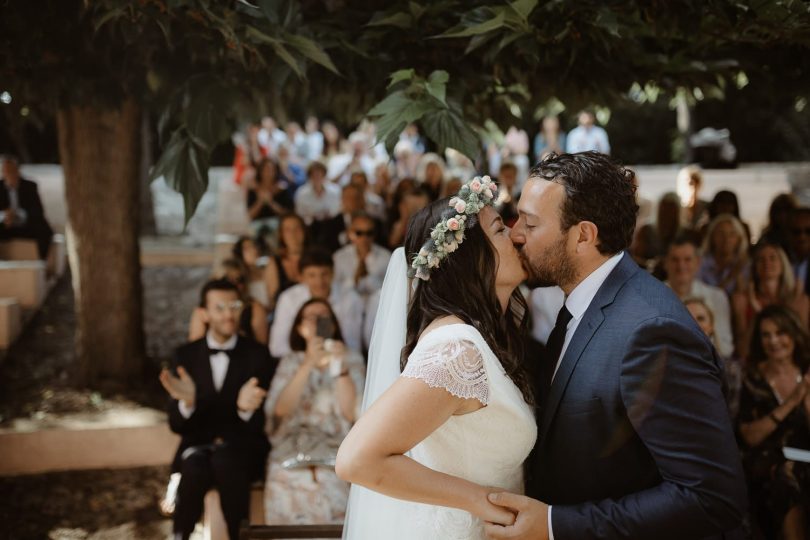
column 772, row 384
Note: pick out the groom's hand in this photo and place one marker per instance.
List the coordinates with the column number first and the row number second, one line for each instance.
column 531, row 522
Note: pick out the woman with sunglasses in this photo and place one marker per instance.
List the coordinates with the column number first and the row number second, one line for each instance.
column 361, row 264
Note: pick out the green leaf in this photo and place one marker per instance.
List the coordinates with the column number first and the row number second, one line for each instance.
column 289, row 59
column 109, row 16
column 607, row 20
column 437, row 85
column 417, row 10
column 184, row 165
column 311, row 50
column 477, row 29
column 523, row 8
column 395, row 111
column 447, row 128
column 401, row 75
column 270, row 8
column 399, row 20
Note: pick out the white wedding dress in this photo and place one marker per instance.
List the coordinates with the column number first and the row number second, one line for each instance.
column 487, row 446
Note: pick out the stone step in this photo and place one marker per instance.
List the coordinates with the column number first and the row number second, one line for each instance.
column 25, row 281
column 113, row 439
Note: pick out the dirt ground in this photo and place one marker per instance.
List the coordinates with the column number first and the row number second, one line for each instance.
column 35, row 383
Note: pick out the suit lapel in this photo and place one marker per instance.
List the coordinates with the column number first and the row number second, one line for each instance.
column 590, row 323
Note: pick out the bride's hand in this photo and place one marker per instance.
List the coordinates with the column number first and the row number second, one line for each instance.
column 492, row 513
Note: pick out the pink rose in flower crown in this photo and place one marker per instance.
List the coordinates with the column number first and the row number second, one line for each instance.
column 475, row 186
column 493, row 187
column 460, row 206
column 453, row 224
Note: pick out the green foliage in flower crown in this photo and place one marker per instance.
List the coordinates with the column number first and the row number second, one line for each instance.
column 448, row 234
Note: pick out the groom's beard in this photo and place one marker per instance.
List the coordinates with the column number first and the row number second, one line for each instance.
column 551, row 267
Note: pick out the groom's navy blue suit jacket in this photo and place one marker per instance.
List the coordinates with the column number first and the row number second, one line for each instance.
column 634, row 437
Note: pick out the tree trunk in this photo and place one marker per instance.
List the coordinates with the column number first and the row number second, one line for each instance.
column 148, row 225
column 100, row 154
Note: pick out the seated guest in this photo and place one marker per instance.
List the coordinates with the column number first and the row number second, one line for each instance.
column 317, row 199
column 772, row 283
column 506, row 203
column 695, row 210
column 362, row 264
column 409, row 202
column 732, row 369
column 218, row 384
column 332, row 234
column 253, row 316
column 724, row 202
column 774, row 413
column 248, row 251
column 374, row 204
column 430, row 174
column 800, row 246
column 270, row 199
column 282, row 268
column 312, row 404
column 682, row 264
column 725, row 254
column 21, row 213
column 778, row 228
column 317, row 272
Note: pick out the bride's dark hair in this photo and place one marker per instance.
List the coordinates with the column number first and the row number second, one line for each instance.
column 464, row 285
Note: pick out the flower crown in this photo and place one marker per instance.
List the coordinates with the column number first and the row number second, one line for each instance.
column 448, row 234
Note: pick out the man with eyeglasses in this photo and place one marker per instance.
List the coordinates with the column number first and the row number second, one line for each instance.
column 218, row 385
column 800, row 245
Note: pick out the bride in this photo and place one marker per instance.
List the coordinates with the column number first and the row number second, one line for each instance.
column 446, row 415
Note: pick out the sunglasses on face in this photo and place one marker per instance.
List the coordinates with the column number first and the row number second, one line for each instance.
column 360, row 232
column 799, row 231
column 222, row 307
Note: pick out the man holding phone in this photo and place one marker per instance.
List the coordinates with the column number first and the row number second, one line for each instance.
column 218, row 385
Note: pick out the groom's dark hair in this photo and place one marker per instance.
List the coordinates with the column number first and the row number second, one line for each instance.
column 597, row 189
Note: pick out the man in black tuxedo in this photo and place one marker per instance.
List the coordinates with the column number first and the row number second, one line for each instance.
column 218, row 385
column 21, row 213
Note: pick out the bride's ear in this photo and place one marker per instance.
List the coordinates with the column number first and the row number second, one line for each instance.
column 587, row 236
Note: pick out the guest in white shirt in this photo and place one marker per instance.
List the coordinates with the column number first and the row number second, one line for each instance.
column 317, row 272
column 682, row 264
column 375, row 205
column 314, row 139
column 317, row 199
column 361, row 265
column 587, row 136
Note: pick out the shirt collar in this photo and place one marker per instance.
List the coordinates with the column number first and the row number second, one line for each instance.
column 214, row 346
column 582, row 296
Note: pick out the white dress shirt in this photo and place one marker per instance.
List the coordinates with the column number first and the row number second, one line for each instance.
column 582, row 139
column 20, row 215
column 577, row 303
column 346, row 261
column 311, row 206
column 347, row 305
column 219, row 369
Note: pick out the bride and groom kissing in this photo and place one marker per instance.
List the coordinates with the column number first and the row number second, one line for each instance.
column 619, row 430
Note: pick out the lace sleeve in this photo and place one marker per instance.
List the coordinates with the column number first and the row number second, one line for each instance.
column 455, row 365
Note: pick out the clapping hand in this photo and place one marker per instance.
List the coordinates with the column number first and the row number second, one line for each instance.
column 250, row 395
column 531, row 521
column 181, row 388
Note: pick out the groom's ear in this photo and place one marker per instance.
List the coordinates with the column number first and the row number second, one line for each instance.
column 588, row 236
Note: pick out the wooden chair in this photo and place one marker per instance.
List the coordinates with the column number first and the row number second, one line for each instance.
column 269, row 532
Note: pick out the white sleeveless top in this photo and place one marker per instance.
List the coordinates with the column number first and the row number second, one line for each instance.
column 487, row 446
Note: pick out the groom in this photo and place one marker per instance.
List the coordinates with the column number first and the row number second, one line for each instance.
column 634, row 438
